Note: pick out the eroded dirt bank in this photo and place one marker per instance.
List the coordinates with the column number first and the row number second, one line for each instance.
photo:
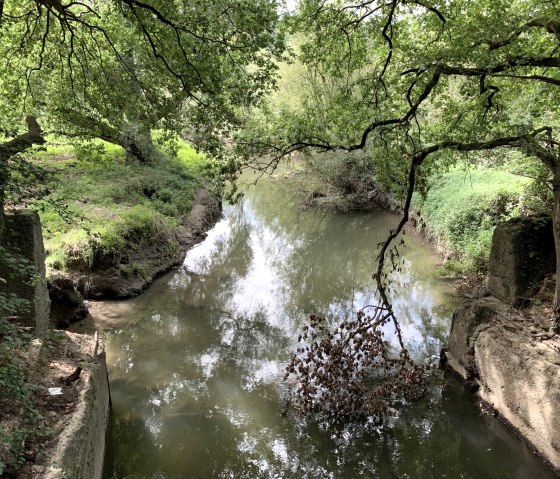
column 126, row 276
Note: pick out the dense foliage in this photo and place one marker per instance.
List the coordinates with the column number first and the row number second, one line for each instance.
column 116, row 69
column 462, row 207
column 413, row 86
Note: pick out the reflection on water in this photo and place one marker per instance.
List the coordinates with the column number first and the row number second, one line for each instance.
column 196, row 362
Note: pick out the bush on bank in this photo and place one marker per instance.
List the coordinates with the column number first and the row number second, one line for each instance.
column 462, row 207
column 111, row 203
column 459, row 208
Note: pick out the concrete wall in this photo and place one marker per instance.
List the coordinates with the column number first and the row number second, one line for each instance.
column 80, row 451
column 492, row 348
column 522, row 255
column 520, row 378
column 81, row 446
column 23, row 236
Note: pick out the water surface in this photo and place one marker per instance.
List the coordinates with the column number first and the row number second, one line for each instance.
column 196, row 362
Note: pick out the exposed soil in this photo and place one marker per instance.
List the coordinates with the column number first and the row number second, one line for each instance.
column 128, row 274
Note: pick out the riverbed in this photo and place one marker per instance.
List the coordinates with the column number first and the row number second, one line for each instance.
column 196, row 362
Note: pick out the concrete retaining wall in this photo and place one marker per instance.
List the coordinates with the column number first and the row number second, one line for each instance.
column 23, row 238
column 491, row 346
column 80, row 451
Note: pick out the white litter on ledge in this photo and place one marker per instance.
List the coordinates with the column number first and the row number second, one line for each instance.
column 55, row 391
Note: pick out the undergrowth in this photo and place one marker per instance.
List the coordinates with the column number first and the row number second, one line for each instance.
column 16, row 398
column 19, row 417
column 115, row 204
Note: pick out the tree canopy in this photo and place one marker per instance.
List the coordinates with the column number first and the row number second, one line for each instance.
column 107, row 69
column 417, row 84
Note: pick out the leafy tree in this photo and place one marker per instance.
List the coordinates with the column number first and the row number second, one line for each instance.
column 419, row 84
column 116, row 69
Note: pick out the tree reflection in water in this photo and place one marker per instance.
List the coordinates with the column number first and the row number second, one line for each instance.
column 196, row 362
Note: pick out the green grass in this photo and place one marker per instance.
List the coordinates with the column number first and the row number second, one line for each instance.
column 113, row 203
column 462, row 208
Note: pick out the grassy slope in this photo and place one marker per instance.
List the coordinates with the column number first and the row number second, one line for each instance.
column 462, row 208
column 121, row 204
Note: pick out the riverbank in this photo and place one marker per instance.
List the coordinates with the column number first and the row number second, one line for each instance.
column 123, row 223
column 116, row 276
column 460, row 210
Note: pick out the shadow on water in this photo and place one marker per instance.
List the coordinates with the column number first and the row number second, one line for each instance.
column 196, row 362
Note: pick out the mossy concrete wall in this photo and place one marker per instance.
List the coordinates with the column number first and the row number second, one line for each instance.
column 23, row 237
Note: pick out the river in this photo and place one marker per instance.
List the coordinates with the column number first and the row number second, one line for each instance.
column 196, row 362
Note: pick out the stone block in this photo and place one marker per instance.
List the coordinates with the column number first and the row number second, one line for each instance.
column 23, row 237
column 522, row 255
column 469, row 319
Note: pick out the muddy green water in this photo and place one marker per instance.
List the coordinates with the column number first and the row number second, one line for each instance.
column 196, row 361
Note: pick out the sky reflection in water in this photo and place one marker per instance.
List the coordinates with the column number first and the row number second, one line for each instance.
column 196, row 362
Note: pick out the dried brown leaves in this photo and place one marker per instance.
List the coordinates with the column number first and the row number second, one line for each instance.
column 343, row 373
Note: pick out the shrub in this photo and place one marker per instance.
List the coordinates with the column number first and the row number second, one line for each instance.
column 462, row 208
column 351, row 173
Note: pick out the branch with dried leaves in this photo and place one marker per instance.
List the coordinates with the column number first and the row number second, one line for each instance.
column 349, row 371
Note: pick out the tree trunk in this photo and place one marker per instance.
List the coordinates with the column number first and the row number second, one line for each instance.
column 33, row 136
column 138, row 143
column 555, row 320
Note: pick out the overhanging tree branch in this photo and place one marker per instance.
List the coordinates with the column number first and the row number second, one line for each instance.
column 528, row 143
column 33, row 136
